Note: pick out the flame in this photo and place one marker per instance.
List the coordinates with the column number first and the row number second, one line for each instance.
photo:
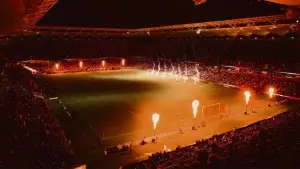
column 247, row 96
column 80, row 64
column 103, row 63
column 271, row 91
column 195, row 105
column 155, row 119
column 166, row 149
column 56, row 66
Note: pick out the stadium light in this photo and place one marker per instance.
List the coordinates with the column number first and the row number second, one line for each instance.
column 56, row 66
column 81, row 167
column 103, row 63
column 123, row 62
column 80, row 64
column 199, row 2
column 247, row 98
column 155, row 119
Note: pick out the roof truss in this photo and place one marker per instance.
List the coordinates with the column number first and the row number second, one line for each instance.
column 263, row 25
column 36, row 11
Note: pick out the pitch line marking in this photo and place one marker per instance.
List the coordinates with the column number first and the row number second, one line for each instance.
column 135, row 114
column 117, row 136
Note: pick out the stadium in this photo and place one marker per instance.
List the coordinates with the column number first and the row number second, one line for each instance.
column 115, row 107
column 196, row 92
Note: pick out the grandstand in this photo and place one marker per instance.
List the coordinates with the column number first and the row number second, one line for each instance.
column 80, row 92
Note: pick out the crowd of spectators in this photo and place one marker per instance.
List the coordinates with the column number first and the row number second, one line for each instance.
column 248, row 78
column 31, row 135
column 73, row 65
column 272, row 143
column 32, row 4
column 257, row 82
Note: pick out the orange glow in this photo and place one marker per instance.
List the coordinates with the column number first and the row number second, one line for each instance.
column 123, row 62
column 80, row 64
column 103, row 63
column 81, row 167
column 271, row 92
column 247, row 96
column 56, row 66
column 287, row 2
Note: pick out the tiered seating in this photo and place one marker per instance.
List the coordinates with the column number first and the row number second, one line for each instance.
column 31, row 135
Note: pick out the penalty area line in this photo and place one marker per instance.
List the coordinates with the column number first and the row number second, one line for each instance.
column 95, row 131
column 135, row 114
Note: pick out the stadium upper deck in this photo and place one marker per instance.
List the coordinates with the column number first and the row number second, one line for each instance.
column 214, row 18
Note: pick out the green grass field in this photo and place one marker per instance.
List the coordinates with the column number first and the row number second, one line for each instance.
column 119, row 104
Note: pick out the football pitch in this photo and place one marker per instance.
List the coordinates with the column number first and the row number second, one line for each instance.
column 117, row 107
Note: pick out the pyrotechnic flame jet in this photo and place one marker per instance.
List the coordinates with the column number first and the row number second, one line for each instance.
column 195, row 105
column 158, row 69
column 185, row 78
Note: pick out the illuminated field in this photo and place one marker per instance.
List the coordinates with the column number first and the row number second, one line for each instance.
column 119, row 105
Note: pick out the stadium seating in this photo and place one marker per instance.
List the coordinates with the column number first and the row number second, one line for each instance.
column 31, row 135
column 270, row 143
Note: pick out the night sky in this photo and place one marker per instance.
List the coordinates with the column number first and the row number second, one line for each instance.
column 149, row 13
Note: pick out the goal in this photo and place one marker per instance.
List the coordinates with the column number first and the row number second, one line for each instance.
column 213, row 109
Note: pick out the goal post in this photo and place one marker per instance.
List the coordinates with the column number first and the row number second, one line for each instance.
column 213, row 109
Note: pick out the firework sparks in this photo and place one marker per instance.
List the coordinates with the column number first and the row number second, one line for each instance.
column 165, row 70
column 196, row 78
column 158, row 69
column 153, row 69
column 173, row 69
column 185, row 77
column 178, row 73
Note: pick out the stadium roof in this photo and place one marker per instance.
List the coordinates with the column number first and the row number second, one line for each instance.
column 94, row 18
column 261, row 26
column 151, row 13
column 287, row 2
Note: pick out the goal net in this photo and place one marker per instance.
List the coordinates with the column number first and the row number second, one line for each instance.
column 213, row 110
